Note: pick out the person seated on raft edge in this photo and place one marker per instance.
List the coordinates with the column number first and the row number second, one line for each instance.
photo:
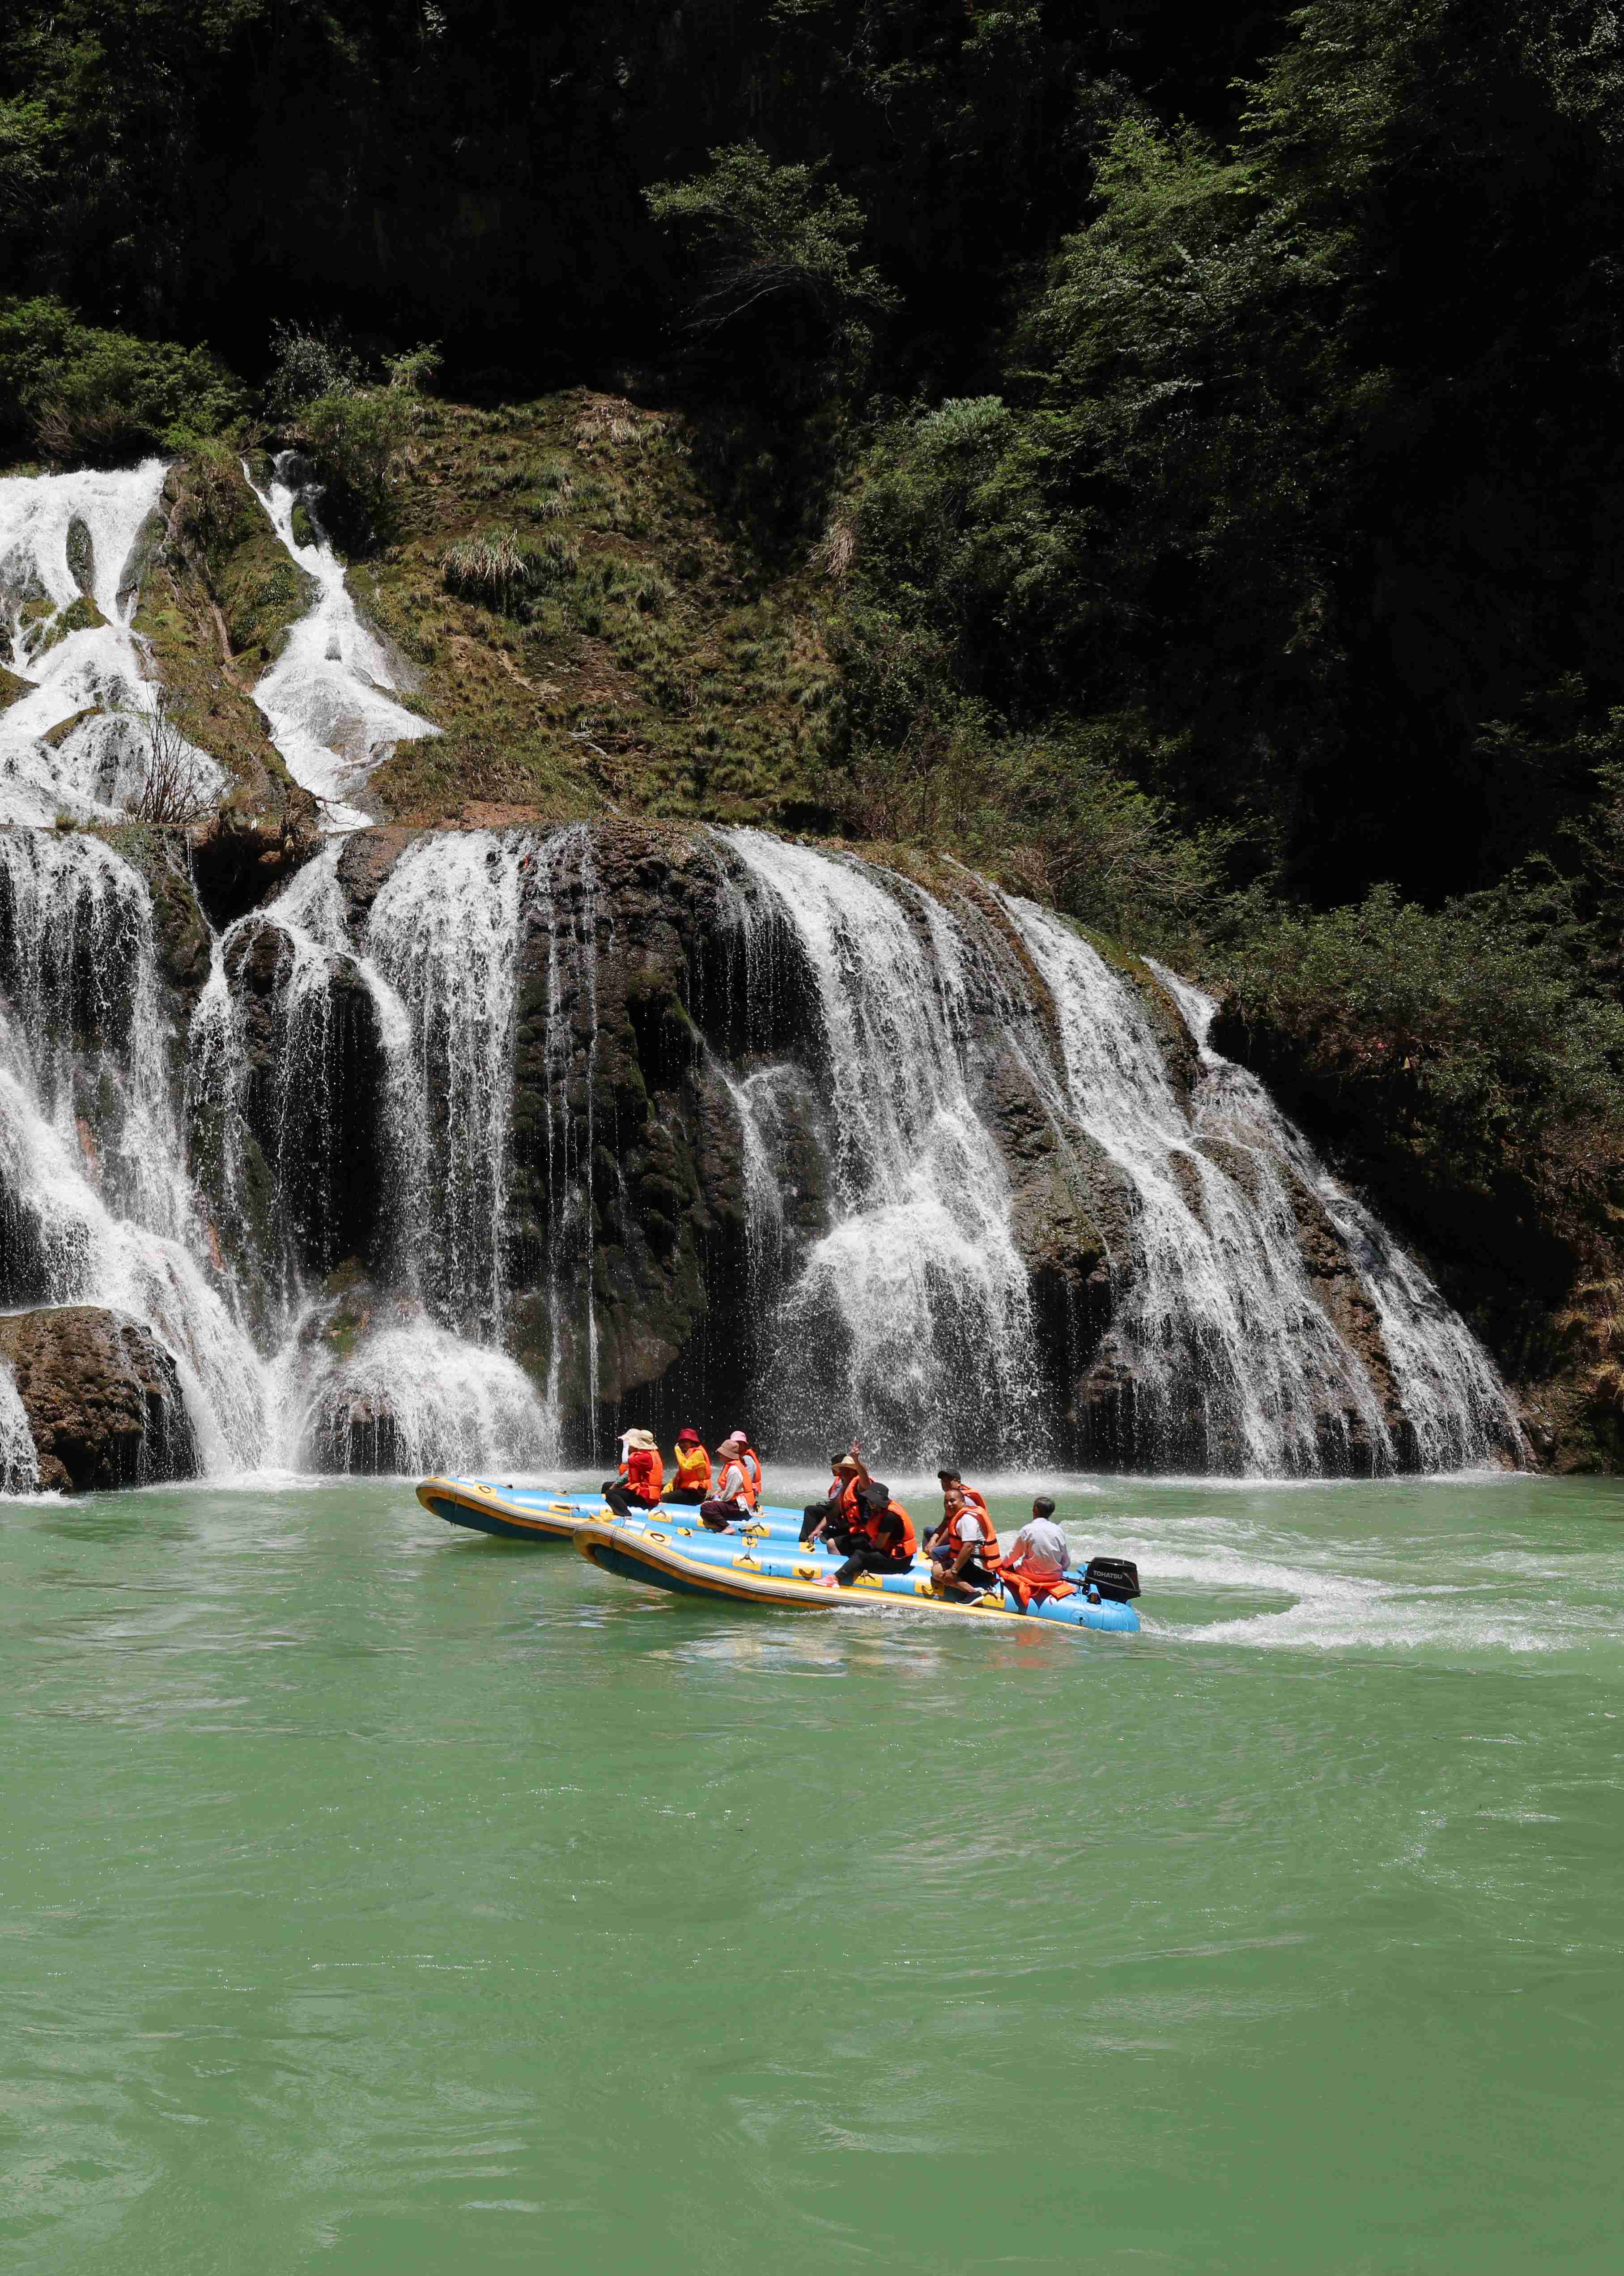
column 964, row 1548
column 642, row 1470
column 752, row 1462
column 887, row 1540
column 736, row 1492
column 691, row 1483
column 834, row 1521
column 1039, row 1555
column 957, row 1500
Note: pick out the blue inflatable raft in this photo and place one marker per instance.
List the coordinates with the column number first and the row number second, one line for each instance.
column 762, row 1562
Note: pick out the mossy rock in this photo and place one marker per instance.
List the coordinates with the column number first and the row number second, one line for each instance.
column 82, row 615
column 11, row 688
column 57, row 735
column 81, row 555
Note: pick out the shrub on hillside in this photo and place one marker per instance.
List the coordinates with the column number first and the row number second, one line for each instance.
column 1459, row 1059
column 78, row 393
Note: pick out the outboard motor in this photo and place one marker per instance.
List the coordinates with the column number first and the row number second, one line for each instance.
column 1116, row 1578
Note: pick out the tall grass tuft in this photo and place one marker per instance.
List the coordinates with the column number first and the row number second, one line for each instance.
column 501, row 569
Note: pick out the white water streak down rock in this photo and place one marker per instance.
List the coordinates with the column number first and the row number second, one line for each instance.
column 98, row 669
column 329, row 699
column 915, row 1300
column 1451, row 1393
column 1219, row 1315
column 117, row 1223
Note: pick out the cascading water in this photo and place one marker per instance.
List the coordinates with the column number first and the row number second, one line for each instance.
column 100, row 1206
column 912, row 1314
column 423, row 1382
column 329, row 699
column 1452, row 1400
column 445, row 933
column 67, row 602
column 566, row 911
column 1234, row 1364
column 19, row 1461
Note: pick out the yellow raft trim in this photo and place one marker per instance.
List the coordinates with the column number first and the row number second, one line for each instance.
column 593, row 1534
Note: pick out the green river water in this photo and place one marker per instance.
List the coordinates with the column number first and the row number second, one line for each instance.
column 377, row 1898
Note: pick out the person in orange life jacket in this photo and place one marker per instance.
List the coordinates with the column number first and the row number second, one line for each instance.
column 732, row 1503
column 752, row 1469
column 956, row 1498
column 834, row 1519
column 1039, row 1555
column 887, row 1541
column 692, row 1482
column 964, row 1548
column 642, row 1471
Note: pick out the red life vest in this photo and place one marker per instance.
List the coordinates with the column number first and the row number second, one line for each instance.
column 645, row 1474
column 750, row 1463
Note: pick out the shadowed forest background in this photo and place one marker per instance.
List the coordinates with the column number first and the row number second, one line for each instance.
column 1190, row 434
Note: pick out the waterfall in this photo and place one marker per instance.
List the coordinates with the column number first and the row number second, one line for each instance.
column 67, row 602
column 569, row 1139
column 1452, row 1398
column 1234, row 1363
column 19, row 1461
column 423, row 1383
column 99, row 1206
column 911, row 1314
column 445, row 933
column 329, row 699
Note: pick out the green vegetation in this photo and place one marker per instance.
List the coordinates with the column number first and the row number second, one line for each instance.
column 73, row 392
column 603, row 640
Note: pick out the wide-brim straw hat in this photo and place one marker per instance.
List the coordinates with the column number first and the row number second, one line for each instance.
column 645, row 1441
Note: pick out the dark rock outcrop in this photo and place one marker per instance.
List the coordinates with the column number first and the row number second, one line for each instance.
column 103, row 1397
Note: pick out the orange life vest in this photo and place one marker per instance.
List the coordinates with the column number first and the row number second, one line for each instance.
column 694, row 1468
column 735, row 1483
column 750, row 1463
column 645, row 1474
column 874, row 1524
column 975, row 1506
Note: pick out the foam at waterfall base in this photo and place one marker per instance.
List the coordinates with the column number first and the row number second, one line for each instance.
column 413, row 1398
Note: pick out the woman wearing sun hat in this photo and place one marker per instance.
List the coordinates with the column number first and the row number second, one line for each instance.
column 734, row 1494
column 692, row 1483
column 642, row 1470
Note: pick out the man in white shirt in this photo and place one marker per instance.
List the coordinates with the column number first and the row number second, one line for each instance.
column 960, row 1551
column 1039, row 1556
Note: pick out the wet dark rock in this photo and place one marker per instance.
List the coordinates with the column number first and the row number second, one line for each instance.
column 315, row 1078
column 103, row 1397
column 239, row 858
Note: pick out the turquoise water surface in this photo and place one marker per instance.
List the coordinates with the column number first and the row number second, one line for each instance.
column 376, row 1897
